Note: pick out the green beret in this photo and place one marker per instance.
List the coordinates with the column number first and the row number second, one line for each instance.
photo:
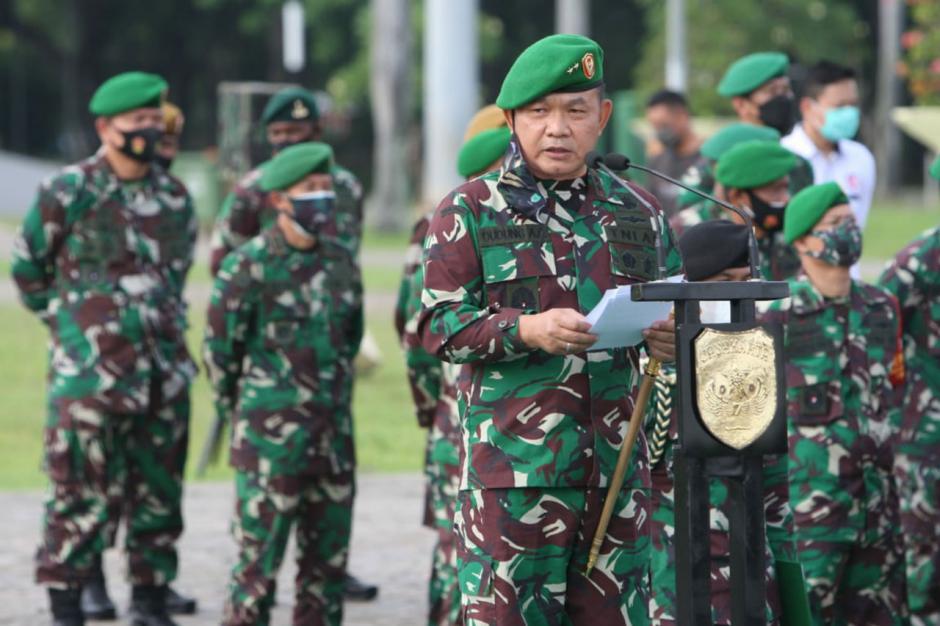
column 732, row 135
column 291, row 105
column 479, row 152
column 293, row 163
column 127, row 91
column 567, row 63
column 750, row 72
column 807, row 206
column 754, row 164
column 935, row 169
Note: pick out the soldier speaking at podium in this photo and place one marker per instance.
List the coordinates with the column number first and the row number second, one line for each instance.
column 514, row 261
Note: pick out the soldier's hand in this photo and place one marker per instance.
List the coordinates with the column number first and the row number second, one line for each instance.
column 661, row 340
column 556, row 331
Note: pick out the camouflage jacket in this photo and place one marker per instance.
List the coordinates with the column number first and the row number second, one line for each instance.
column 914, row 279
column 103, row 263
column 247, row 210
column 841, row 422
column 501, row 246
column 696, row 213
column 424, row 371
column 283, row 328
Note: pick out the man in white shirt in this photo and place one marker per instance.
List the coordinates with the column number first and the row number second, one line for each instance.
column 829, row 107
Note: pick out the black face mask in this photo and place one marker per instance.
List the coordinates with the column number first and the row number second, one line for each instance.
column 779, row 113
column 313, row 211
column 767, row 216
column 668, row 137
column 163, row 161
column 141, row 144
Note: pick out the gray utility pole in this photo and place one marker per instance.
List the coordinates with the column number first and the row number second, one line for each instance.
column 573, row 17
column 887, row 142
column 677, row 61
column 451, row 89
column 391, row 88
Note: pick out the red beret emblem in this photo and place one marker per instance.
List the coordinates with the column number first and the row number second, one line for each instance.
column 587, row 65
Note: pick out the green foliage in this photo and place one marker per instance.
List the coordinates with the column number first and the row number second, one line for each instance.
column 721, row 31
column 921, row 64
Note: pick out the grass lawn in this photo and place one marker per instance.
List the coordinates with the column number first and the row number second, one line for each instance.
column 387, row 436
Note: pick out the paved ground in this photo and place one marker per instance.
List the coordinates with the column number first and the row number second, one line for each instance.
column 389, row 548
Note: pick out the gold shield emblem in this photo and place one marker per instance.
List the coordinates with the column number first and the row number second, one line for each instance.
column 736, row 384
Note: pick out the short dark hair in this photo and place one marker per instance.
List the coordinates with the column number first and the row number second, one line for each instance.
column 823, row 74
column 669, row 98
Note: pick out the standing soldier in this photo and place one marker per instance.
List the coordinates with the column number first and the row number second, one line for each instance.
column 716, row 250
column 841, row 341
column 96, row 603
column 285, row 320
column 754, row 175
column 701, row 210
column 914, row 279
column 102, row 257
column 514, row 261
column 434, row 383
column 290, row 117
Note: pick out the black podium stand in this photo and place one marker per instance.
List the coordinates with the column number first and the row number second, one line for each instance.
column 701, row 453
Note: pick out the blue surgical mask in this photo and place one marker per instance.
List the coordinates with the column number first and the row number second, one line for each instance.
column 313, row 210
column 841, row 123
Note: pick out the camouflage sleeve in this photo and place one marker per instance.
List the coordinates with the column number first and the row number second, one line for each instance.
column 455, row 323
column 900, row 278
column 357, row 327
column 180, row 266
column 423, row 370
column 36, row 243
column 237, row 222
column 229, row 321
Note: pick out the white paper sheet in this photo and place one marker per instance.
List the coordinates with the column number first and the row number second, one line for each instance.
column 618, row 321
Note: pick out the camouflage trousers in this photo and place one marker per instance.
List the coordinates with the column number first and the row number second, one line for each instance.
column 442, row 475
column 522, row 553
column 860, row 582
column 663, row 559
column 266, row 510
column 919, row 480
column 100, row 463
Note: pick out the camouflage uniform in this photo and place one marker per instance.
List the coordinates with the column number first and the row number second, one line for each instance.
column 103, row 263
column 914, row 278
column 842, row 435
column 247, row 210
column 283, row 328
column 434, row 389
column 662, row 434
column 540, row 432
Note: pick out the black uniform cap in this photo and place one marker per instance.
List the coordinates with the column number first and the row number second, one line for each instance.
column 712, row 247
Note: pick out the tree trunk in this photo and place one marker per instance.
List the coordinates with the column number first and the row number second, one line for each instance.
column 390, row 88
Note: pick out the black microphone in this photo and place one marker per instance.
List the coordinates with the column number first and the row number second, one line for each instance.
column 616, row 161
column 595, row 160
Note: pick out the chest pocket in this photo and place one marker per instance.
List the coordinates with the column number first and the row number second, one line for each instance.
column 881, row 335
column 99, row 236
column 286, row 317
column 514, row 258
column 632, row 245
column 813, row 355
